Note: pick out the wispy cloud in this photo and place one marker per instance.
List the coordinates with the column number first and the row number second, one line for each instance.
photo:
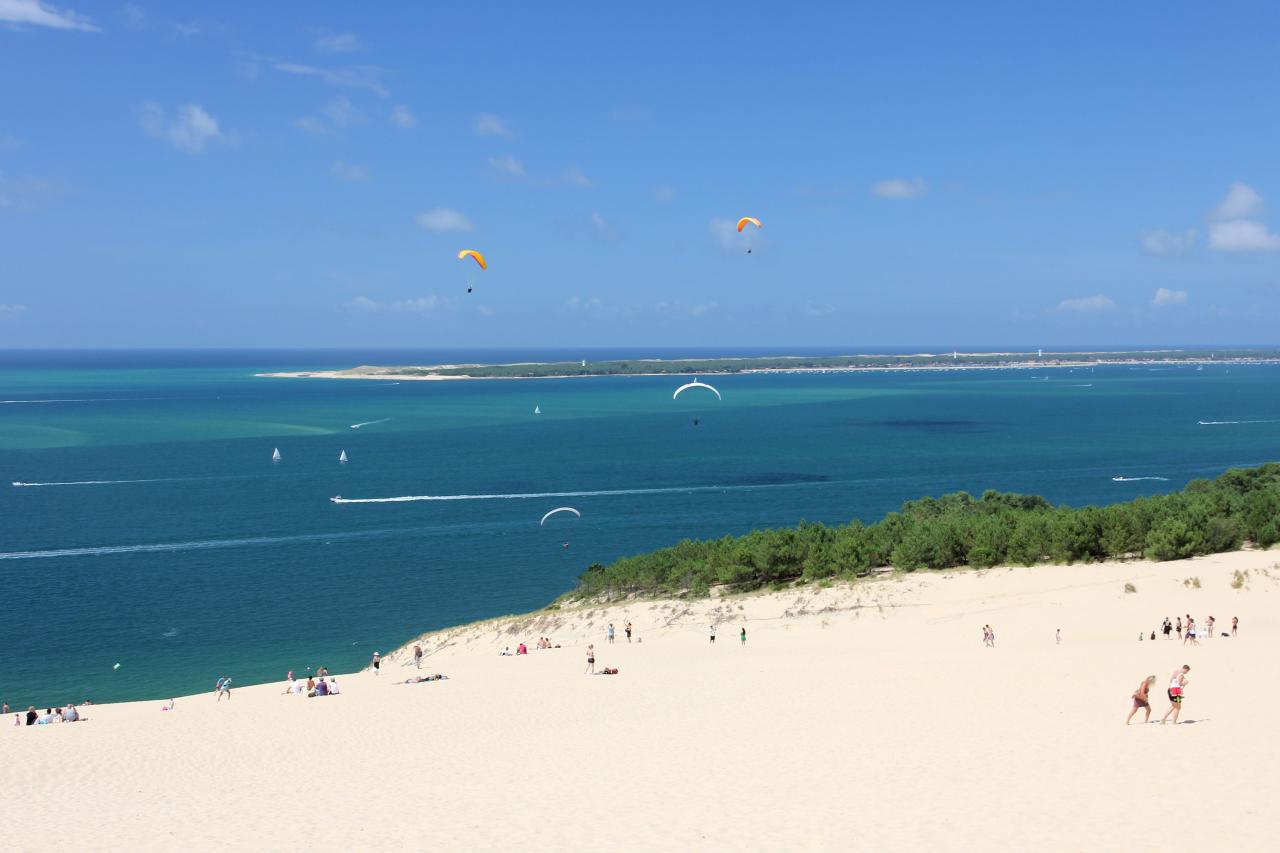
column 190, row 129
column 402, row 117
column 37, row 13
column 1165, row 297
column 574, row 177
column 368, row 77
column 342, row 112
column 311, row 124
column 133, row 16
column 348, row 172
column 819, row 310
column 508, row 165
column 1162, row 242
column 1087, row 303
column 25, row 193
column 724, row 233
column 603, row 228
column 417, row 305
column 1241, row 202
column 11, row 310
column 664, row 194
column 337, row 43
column 488, row 124
column 9, row 142
column 443, row 220
column 685, row 309
column 1242, row 235
column 900, row 188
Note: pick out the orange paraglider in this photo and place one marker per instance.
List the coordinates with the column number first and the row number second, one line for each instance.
column 479, row 258
column 742, row 223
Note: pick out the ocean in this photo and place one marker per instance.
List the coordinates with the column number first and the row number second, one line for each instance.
column 154, row 531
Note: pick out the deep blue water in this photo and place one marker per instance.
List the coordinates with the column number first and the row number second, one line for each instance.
column 185, row 553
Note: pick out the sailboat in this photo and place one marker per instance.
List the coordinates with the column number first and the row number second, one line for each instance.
column 537, row 410
column 275, row 455
column 342, row 457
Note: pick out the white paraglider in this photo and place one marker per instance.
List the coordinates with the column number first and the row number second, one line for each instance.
column 559, row 509
column 696, row 384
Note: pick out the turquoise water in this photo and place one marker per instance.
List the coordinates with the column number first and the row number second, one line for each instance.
column 185, row 553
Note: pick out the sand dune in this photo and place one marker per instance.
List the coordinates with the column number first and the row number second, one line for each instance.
column 864, row 717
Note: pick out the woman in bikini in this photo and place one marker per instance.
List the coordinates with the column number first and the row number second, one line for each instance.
column 591, row 658
column 1142, row 699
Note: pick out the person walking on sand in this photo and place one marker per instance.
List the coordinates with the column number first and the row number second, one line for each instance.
column 1177, row 689
column 713, row 635
column 1057, row 636
column 223, row 685
column 628, row 630
column 377, row 662
column 609, row 634
column 591, row 658
column 1167, row 627
column 742, row 635
column 417, row 656
column 1191, row 633
column 1179, row 627
column 1142, row 699
column 1235, row 623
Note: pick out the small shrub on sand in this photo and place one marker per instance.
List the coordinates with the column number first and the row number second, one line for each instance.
column 1130, row 588
column 1191, row 583
column 1238, row 579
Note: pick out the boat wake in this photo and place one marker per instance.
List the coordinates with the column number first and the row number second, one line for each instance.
column 18, row 484
column 198, row 545
column 1226, row 423
column 1136, row 479
column 369, row 423
column 520, row 496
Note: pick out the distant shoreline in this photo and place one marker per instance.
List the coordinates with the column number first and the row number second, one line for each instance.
column 783, row 364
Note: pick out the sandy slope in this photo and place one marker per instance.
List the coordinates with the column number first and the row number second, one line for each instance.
column 856, row 718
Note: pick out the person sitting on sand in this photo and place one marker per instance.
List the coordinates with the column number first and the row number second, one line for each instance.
column 505, row 653
column 1142, row 699
column 522, row 649
column 333, row 687
column 32, row 716
column 1177, row 689
column 322, row 688
column 70, row 715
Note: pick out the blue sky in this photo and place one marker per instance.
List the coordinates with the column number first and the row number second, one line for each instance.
column 303, row 174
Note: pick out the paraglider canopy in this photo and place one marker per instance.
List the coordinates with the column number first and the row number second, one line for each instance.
column 477, row 257
column 742, row 223
column 696, row 384
column 559, row 509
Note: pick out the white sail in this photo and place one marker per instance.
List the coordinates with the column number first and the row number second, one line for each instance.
column 537, row 410
column 342, row 457
column 275, row 455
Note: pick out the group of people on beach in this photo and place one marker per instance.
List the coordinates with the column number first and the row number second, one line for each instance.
column 68, row 714
column 1192, row 633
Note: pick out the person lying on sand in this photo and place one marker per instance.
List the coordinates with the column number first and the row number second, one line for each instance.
column 419, row 679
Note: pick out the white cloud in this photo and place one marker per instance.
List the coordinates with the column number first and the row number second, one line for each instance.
column 418, row 305
column 25, row 192
column 900, row 188
column 342, row 112
column 1162, row 242
column 1242, row 235
column 684, row 309
column 348, row 172
column 40, row 14
column 337, row 43
column 310, row 124
column 134, row 16
column 664, row 194
column 401, row 117
column 1165, row 297
column 1087, row 303
column 1240, row 202
column 351, row 77
column 488, row 124
column 574, row 178
column 442, row 220
column 11, row 310
column 508, row 165
column 190, row 129
column 819, row 310
column 603, row 229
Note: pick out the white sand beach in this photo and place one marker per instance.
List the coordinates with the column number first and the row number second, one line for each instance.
column 864, row 717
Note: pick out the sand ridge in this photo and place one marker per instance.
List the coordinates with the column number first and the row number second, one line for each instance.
column 857, row 717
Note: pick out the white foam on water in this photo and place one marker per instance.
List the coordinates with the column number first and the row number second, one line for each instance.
column 18, row 484
column 198, row 545
column 520, row 496
column 1135, row 479
column 369, row 423
column 1226, row 423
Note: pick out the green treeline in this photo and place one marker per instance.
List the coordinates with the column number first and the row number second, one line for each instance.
column 1206, row 517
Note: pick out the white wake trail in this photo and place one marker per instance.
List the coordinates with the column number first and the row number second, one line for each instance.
column 369, row 423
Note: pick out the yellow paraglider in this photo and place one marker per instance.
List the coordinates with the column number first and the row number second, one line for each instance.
column 742, row 223
column 479, row 258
